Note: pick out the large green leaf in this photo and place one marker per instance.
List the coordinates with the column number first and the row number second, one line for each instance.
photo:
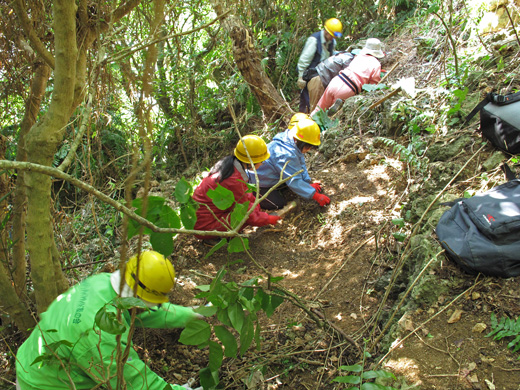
column 238, row 213
column 208, row 379
column 215, row 356
column 128, row 303
column 236, row 316
column 377, row 374
column 168, row 218
column 162, row 243
column 246, row 335
column 221, row 197
column 353, row 368
column 188, row 216
column 183, row 191
column 107, row 321
column 196, row 332
column 235, row 245
column 352, row 379
column 227, row 339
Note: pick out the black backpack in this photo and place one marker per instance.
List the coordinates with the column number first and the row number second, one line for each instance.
column 482, row 233
column 500, row 120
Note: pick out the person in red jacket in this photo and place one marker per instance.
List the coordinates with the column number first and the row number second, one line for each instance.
column 230, row 173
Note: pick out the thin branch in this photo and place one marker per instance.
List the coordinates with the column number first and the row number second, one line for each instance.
column 26, row 25
column 156, row 40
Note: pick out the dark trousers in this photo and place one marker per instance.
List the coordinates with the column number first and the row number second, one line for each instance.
column 274, row 201
column 304, row 101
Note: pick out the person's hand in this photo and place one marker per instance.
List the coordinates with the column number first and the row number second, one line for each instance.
column 321, row 199
column 301, row 83
column 272, row 219
column 190, row 383
column 316, row 186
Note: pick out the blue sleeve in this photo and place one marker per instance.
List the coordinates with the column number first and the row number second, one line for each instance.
column 299, row 184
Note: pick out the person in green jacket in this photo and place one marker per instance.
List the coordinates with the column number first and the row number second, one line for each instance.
column 67, row 350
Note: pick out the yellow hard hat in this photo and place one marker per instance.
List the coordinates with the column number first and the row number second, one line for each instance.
column 155, row 276
column 334, row 27
column 308, row 131
column 255, row 146
column 296, row 118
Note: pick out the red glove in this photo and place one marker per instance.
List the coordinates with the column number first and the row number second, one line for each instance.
column 321, row 199
column 272, row 219
column 316, row 186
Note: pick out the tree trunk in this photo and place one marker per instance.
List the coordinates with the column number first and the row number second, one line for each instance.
column 32, row 108
column 42, row 142
column 248, row 62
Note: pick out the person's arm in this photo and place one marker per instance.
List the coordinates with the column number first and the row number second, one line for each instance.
column 307, row 55
column 166, row 316
column 297, row 184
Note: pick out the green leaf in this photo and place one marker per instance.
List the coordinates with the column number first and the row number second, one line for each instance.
column 223, row 317
column 399, row 236
column 236, row 316
column 377, row 374
column 54, row 346
column 183, row 191
column 222, row 197
column 228, row 340
column 238, row 213
column 107, row 321
column 352, row 379
column 195, row 333
column 215, row 356
column 354, row 368
column 246, row 335
column 206, row 311
column 208, row 379
column 236, row 246
column 188, row 216
column 162, row 243
column 219, row 245
column 399, row 222
column 374, row 386
column 128, row 303
column 168, row 218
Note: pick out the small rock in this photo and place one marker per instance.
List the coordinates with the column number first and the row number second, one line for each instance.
column 455, row 317
column 490, row 385
column 475, row 296
column 479, row 328
column 472, row 366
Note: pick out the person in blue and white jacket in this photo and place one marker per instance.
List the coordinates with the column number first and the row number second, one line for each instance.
column 318, row 47
column 289, row 147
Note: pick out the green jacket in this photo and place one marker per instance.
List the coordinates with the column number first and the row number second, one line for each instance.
column 90, row 357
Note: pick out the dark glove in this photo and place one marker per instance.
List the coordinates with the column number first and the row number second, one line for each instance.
column 272, row 219
column 316, row 186
column 321, row 199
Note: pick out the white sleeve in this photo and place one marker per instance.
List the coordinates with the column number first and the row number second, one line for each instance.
column 307, row 55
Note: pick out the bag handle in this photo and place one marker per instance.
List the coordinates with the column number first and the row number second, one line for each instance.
column 499, row 100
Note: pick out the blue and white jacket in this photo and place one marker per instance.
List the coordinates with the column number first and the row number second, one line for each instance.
column 283, row 148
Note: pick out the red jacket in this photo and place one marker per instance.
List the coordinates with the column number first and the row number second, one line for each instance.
column 234, row 183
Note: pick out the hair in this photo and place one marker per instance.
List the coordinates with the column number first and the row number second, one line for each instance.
column 224, row 168
column 301, row 144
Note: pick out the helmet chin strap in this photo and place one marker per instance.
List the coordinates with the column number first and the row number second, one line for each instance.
column 126, row 292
